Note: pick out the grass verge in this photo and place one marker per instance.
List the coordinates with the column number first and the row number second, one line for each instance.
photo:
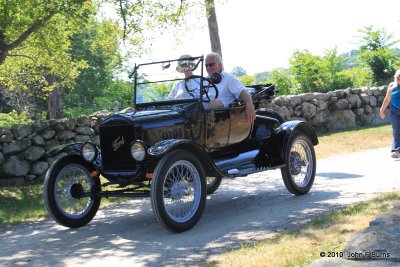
column 353, row 140
column 328, row 232
column 25, row 203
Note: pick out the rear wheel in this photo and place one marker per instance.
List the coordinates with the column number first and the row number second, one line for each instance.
column 178, row 190
column 212, row 184
column 299, row 172
column 67, row 187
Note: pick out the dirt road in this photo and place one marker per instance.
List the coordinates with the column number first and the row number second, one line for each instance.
column 242, row 210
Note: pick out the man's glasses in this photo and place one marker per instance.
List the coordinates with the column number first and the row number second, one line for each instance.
column 210, row 65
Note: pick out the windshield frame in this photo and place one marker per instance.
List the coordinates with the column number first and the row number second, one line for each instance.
column 199, row 60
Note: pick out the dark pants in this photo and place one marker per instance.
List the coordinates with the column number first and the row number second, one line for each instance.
column 395, row 121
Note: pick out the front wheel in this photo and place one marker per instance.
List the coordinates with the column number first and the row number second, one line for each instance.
column 178, row 190
column 67, row 187
column 299, row 171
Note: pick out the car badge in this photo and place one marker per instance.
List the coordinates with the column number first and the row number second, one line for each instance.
column 117, row 143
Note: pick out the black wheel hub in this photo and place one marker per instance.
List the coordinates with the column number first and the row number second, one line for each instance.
column 77, row 191
column 295, row 163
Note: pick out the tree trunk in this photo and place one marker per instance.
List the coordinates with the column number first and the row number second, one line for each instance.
column 213, row 27
column 54, row 107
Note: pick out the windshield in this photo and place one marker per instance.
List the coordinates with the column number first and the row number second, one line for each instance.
column 164, row 80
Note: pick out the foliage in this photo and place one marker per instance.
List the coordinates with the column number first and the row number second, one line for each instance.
column 37, row 42
column 356, row 76
column 152, row 92
column 120, row 91
column 246, row 79
column 261, row 77
column 283, row 81
column 318, row 73
column 96, row 44
column 7, row 120
column 376, row 52
column 44, row 50
column 238, row 71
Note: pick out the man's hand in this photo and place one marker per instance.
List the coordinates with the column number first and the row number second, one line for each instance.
column 251, row 114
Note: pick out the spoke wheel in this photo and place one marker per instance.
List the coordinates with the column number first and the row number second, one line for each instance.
column 66, row 188
column 212, row 184
column 178, row 192
column 299, row 172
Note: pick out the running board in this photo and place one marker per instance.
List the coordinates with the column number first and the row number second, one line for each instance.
column 245, row 172
column 243, row 164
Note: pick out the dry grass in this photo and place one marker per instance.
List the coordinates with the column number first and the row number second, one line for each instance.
column 328, row 232
column 354, row 140
column 301, row 247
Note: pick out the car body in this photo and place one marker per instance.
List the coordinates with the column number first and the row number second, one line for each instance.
column 176, row 151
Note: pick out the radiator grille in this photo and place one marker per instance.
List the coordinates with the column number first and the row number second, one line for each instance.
column 115, row 143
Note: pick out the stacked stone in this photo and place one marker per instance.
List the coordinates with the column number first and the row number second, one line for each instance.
column 339, row 109
column 23, row 148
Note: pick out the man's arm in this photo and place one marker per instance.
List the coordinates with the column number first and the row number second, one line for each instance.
column 251, row 114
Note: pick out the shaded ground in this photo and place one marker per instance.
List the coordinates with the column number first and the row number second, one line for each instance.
column 242, row 210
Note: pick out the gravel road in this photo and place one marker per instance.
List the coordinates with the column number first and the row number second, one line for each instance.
column 242, row 210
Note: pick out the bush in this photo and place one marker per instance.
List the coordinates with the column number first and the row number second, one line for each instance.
column 7, row 120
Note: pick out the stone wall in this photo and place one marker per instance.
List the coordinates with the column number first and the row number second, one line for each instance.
column 339, row 109
column 23, row 148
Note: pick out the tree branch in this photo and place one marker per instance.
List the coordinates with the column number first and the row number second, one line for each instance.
column 25, row 35
column 19, row 55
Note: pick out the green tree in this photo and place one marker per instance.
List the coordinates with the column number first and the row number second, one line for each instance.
column 283, row 81
column 247, row 79
column 376, row 52
column 238, row 71
column 318, row 73
column 34, row 46
column 35, row 39
column 261, row 77
column 97, row 44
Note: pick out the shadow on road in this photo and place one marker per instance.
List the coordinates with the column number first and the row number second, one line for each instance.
column 130, row 233
column 339, row 175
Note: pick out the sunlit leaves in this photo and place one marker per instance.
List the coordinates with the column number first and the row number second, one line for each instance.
column 376, row 52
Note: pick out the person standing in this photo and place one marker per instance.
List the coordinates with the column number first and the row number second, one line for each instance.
column 393, row 98
column 230, row 88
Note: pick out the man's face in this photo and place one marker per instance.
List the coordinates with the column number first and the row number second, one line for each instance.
column 212, row 66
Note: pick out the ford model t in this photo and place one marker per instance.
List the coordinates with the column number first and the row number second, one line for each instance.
column 176, row 151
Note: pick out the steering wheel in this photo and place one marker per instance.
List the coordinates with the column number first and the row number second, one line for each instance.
column 202, row 79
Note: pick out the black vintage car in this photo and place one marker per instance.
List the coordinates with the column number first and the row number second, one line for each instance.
column 176, row 151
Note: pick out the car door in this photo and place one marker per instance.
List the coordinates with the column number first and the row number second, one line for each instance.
column 226, row 126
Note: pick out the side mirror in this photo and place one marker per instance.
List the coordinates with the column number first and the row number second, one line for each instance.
column 216, row 78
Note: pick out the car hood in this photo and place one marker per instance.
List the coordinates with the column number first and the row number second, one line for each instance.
column 142, row 117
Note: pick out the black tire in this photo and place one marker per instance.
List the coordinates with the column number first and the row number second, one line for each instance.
column 273, row 114
column 299, row 171
column 212, row 184
column 66, row 181
column 178, row 191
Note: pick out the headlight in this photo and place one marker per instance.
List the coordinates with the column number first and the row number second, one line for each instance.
column 89, row 151
column 138, row 151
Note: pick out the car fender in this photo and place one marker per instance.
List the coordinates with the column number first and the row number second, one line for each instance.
column 163, row 147
column 69, row 149
column 287, row 129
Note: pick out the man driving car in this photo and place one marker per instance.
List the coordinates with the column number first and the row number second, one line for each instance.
column 229, row 89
